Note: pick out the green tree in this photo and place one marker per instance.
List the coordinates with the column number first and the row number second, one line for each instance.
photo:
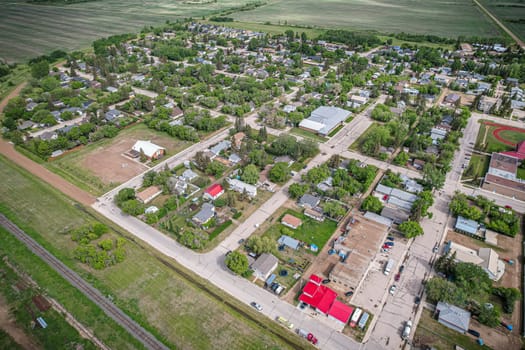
column 401, row 158
column 40, row 69
column 411, row 229
column 297, row 190
column 472, row 278
column 279, row 172
column 439, row 289
column 132, row 207
column 250, row 174
column 420, row 206
column 215, row 168
column 489, row 315
column 124, row 194
column 237, row 262
column 433, row 176
column 259, row 245
column 373, row 204
column 334, row 209
column 318, row 174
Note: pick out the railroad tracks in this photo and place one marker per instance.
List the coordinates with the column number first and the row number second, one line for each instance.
column 93, row 294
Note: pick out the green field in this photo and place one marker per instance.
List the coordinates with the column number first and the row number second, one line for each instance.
column 510, row 13
column 486, row 142
column 185, row 312
column 436, row 17
column 28, row 30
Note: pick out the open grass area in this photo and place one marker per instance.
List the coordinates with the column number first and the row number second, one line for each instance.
column 308, row 135
column 477, row 167
column 100, row 166
column 433, row 334
column 144, row 286
column 6, row 342
column 357, row 143
column 510, row 13
column 28, row 30
column 437, row 17
column 311, row 231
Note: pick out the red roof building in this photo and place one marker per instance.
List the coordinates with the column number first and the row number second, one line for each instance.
column 317, row 295
column 214, row 191
column 519, row 152
column 340, row 312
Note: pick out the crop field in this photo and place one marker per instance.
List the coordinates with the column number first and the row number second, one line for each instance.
column 28, row 30
column 143, row 286
column 436, row 17
column 511, row 13
column 101, row 166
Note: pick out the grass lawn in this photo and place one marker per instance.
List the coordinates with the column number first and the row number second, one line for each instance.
column 6, row 342
column 308, row 135
column 386, row 16
column 521, row 173
column 17, row 76
column 310, row 231
column 83, row 168
column 336, row 130
column 431, row 333
column 187, row 313
column 477, row 167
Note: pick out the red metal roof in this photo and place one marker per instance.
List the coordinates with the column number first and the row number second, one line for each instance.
column 315, row 279
column 310, row 289
column 341, row 311
column 214, row 190
column 327, row 300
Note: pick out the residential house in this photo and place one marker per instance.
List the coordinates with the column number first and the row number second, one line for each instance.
column 309, row 201
column 242, row 187
column 264, row 266
column 291, row 221
column 112, row 115
column 486, row 103
column 397, row 216
column 221, row 146
column 437, row 134
column 189, row 175
column 149, row 194
column 289, row 242
column 213, row 192
column 453, row 317
column 314, row 214
column 204, row 215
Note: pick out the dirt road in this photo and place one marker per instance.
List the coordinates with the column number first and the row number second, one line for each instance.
column 8, row 324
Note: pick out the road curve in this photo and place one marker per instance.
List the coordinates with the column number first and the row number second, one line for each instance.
column 146, row 338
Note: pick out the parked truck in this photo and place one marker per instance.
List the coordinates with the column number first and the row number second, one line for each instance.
column 389, row 266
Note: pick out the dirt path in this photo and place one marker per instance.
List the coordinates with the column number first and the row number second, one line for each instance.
column 11, row 328
column 53, row 179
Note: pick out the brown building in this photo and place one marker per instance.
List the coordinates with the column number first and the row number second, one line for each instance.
column 501, row 177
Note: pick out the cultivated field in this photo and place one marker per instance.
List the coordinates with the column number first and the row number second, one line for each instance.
column 510, row 13
column 28, row 30
column 143, row 286
column 437, row 17
column 100, row 166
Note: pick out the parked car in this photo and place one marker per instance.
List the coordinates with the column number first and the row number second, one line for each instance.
column 386, row 246
column 283, row 321
column 474, row 332
column 392, row 289
column 311, row 338
column 241, row 241
column 397, row 277
column 390, row 238
column 349, row 293
column 326, row 281
column 401, row 268
column 417, row 300
column 256, row 306
column 389, row 243
column 436, row 248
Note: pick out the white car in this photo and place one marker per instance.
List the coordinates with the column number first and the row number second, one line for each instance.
column 392, row 289
column 256, row 306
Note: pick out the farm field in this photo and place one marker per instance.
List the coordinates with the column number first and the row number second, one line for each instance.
column 28, row 30
column 510, row 13
column 142, row 285
column 101, row 166
column 436, row 17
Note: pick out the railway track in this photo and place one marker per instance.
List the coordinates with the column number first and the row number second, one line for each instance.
column 142, row 335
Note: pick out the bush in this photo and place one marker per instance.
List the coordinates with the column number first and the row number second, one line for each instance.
column 237, row 215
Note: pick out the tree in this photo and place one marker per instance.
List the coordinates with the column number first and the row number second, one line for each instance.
column 215, row 168
column 250, row 174
column 373, row 204
column 433, row 176
column 297, row 190
column 318, row 174
column 132, row 207
column 421, row 204
column 401, row 158
column 489, row 315
column 411, row 229
column 279, row 172
column 334, row 161
column 237, row 262
column 259, row 245
column 40, row 69
column 472, row 278
column 201, row 160
column 439, row 289
column 124, row 194
column 334, row 209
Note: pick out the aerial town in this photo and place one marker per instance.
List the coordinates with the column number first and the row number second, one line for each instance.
column 348, row 191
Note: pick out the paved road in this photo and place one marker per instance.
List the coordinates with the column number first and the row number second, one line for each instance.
column 93, row 294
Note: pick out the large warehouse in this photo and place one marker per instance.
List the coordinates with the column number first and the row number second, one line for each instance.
column 324, row 120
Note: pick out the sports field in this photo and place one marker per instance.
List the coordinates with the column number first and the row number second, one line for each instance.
column 511, row 13
column 493, row 137
column 101, row 166
column 28, row 30
column 180, row 311
column 436, row 17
